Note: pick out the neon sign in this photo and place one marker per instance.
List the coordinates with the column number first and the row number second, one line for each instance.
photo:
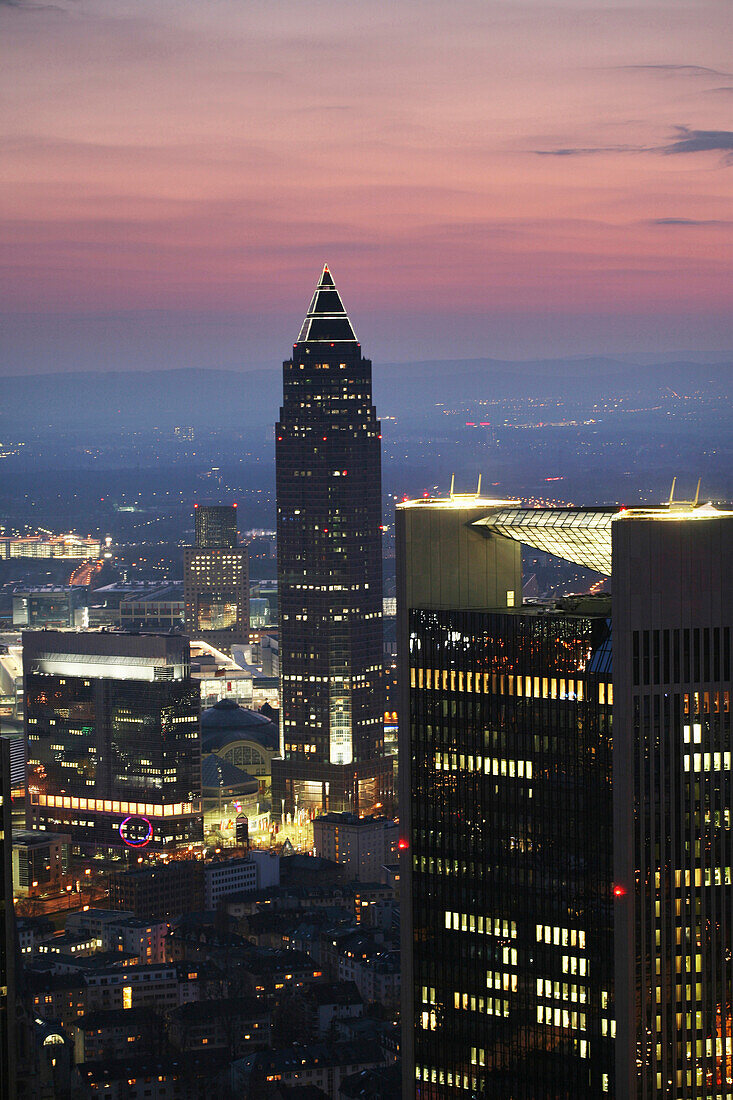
column 136, row 831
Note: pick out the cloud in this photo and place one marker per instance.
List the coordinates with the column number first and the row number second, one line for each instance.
column 688, row 221
column 701, row 141
column 688, row 70
column 585, row 151
column 30, row 5
column 686, row 141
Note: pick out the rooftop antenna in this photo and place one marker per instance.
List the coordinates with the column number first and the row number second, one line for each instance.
column 478, row 487
column 691, row 504
column 452, row 484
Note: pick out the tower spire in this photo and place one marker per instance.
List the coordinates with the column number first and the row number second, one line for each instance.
column 326, row 320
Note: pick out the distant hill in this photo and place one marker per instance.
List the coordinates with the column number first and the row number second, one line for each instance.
column 229, row 398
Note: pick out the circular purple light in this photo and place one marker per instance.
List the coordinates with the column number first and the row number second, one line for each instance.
column 136, row 843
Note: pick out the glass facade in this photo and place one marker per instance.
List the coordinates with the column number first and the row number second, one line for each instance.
column 329, row 540
column 7, row 932
column 216, row 593
column 511, row 850
column 673, row 780
column 103, row 749
column 581, row 535
column 216, row 525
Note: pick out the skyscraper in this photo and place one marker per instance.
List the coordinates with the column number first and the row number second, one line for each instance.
column 113, row 739
column 673, row 794
column 566, row 845
column 505, row 804
column 329, row 516
column 216, row 578
column 216, row 526
column 7, row 932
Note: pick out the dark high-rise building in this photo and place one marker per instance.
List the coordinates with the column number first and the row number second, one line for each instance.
column 216, row 578
column 329, row 540
column 673, row 778
column 113, row 739
column 7, row 932
column 506, row 801
column 216, row 526
column 561, row 872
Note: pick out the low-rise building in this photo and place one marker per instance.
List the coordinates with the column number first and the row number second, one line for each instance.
column 319, row 1006
column 115, row 1033
column 156, row 986
column 324, row 1065
column 57, row 606
column 60, row 997
column 256, row 871
column 68, row 996
column 123, row 932
column 366, row 958
column 362, row 844
column 166, row 1077
column 233, row 1025
column 160, row 608
column 41, row 863
column 163, row 891
column 76, row 944
column 372, row 1084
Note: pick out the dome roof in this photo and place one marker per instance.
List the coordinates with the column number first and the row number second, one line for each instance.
column 227, row 721
column 216, row 773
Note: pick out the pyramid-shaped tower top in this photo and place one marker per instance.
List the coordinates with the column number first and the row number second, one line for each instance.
column 326, row 321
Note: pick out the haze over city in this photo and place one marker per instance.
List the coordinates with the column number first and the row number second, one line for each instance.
column 366, row 526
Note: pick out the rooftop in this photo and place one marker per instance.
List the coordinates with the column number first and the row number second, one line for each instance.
column 230, row 1007
column 161, row 594
column 579, row 535
column 217, row 773
column 38, row 839
column 326, row 320
column 344, row 818
column 227, row 721
column 299, row 1058
column 117, row 1017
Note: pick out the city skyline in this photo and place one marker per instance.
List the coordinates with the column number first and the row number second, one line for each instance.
column 534, row 178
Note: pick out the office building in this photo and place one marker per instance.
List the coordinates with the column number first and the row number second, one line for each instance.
column 53, row 605
column 7, row 932
column 122, row 932
column 164, row 891
column 215, row 526
column 255, row 871
column 113, row 739
column 41, row 863
column 329, row 516
column 364, row 845
column 53, row 546
column 567, row 912
column 673, row 779
column 216, row 579
column 162, row 608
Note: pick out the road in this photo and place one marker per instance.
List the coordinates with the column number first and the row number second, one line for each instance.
column 83, row 573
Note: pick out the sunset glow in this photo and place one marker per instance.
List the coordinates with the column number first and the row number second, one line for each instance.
column 541, row 178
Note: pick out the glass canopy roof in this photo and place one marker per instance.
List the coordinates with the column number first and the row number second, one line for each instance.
column 580, row 535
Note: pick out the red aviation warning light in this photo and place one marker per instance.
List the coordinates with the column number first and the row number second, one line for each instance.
column 619, row 891
column 403, row 844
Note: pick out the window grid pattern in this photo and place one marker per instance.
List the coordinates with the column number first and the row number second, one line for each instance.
column 512, row 891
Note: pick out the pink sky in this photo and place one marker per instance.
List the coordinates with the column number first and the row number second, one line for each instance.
column 503, row 179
